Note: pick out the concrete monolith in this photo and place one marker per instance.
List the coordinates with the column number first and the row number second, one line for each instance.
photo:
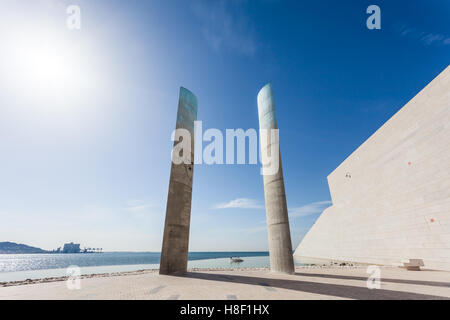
column 280, row 246
column 174, row 253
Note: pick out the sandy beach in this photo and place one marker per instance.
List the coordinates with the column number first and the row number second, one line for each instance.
column 234, row 284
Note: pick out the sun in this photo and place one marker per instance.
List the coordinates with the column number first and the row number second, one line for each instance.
column 46, row 64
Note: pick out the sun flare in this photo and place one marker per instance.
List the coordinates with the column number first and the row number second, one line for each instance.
column 46, row 64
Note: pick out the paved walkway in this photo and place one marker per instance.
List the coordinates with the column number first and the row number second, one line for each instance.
column 307, row 283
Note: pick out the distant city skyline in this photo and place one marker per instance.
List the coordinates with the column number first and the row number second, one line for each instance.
column 86, row 115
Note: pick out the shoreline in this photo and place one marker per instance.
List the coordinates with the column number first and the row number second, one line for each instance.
column 150, row 271
column 37, row 275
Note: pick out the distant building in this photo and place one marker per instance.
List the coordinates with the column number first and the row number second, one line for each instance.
column 71, row 248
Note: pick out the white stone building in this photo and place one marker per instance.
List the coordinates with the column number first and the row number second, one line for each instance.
column 391, row 197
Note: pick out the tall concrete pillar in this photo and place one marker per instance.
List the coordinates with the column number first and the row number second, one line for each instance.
column 280, row 246
column 174, row 253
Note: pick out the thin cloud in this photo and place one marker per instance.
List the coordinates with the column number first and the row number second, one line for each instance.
column 242, row 203
column 139, row 208
column 252, row 230
column 224, row 29
column 432, row 37
column 309, row 209
column 427, row 38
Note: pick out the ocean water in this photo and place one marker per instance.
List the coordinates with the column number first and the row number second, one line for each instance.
column 16, row 267
column 26, row 262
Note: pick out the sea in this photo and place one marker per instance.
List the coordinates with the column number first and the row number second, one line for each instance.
column 19, row 267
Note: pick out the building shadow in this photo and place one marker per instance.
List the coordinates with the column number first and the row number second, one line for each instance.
column 335, row 290
column 405, row 281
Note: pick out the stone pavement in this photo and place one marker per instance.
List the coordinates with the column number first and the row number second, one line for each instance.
column 307, row 283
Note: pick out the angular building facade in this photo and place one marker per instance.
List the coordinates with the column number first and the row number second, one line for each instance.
column 391, row 197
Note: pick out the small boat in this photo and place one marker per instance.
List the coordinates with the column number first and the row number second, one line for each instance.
column 236, row 259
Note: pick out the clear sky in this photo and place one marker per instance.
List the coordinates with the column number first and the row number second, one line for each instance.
column 86, row 115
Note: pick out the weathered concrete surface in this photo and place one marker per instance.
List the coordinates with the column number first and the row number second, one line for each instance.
column 306, row 283
column 391, row 197
column 174, row 253
column 280, row 246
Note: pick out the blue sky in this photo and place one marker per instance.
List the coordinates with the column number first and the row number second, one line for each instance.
column 86, row 115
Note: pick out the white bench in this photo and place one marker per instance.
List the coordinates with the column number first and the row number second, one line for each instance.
column 412, row 264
